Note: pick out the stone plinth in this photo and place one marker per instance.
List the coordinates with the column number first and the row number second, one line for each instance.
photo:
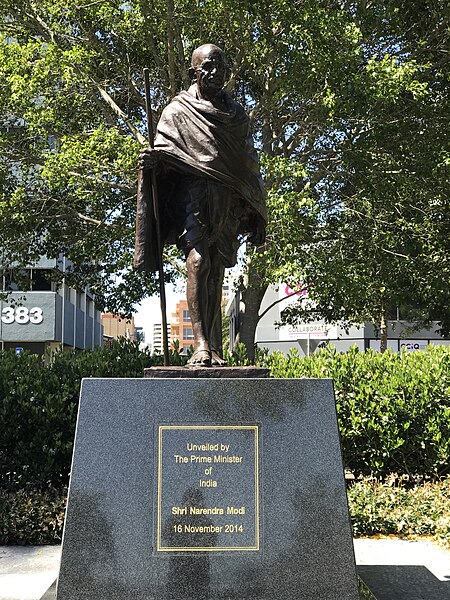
column 206, row 372
column 194, row 489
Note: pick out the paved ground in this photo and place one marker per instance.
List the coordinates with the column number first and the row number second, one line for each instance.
column 393, row 569
column 26, row 573
column 404, row 570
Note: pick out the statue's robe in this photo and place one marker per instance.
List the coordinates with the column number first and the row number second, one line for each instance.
column 195, row 138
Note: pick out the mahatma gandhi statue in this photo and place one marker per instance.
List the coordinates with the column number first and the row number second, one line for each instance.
column 210, row 193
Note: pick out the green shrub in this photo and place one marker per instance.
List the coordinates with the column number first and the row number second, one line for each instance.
column 382, row 508
column 32, row 517
column 39, row 403
column 393, row 409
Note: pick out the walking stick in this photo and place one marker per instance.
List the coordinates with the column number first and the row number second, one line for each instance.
column 162, row 292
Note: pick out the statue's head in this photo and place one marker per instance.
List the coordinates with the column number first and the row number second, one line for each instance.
column 208, row 70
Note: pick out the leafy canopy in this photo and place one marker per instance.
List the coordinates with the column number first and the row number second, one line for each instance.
column 349, row 103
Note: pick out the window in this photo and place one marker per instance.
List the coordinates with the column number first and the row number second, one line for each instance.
column 89, row 307
column 41, row 280
column 17, row 281
column 188, row 333
column 186, row 316
column 79, row 303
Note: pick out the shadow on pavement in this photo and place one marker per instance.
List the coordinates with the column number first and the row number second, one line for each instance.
column 50, row 594
column 391, row 582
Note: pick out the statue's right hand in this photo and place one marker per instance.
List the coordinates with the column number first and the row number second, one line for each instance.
column 149, row 158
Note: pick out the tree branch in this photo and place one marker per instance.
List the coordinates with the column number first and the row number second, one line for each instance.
column 396, row 254
column 118, row 186
column 119, row 112
column 265, row 311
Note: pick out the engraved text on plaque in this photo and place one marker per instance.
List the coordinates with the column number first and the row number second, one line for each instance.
column 208, row 488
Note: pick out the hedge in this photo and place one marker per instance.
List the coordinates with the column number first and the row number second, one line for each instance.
column 39, row 403
column 387, row 509
column 32, row 517
column 393, row 409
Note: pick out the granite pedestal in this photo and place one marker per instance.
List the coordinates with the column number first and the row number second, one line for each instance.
column 195, row 372
column 192, row 489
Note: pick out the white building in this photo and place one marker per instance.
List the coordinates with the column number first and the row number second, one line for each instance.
column 156, row 344
column 306, row 337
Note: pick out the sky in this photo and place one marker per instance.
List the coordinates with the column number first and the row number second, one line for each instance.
column 149, row 310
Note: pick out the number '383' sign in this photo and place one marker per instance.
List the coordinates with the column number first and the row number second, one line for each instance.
column 22, row 315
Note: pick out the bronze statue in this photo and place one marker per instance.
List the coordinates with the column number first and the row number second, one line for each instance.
column 210, row 193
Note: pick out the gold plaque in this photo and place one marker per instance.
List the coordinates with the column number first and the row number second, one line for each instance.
column 208, row 488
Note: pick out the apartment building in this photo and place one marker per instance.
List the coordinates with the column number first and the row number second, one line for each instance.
column 181, row 326
column 115, row 326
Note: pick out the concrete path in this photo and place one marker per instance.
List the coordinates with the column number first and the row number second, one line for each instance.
column 26, row 572
column 393, row 569
column 396, row 569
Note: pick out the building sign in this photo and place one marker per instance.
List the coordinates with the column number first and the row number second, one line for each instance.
column 22, row 315
column 303, row 331
column 307, row 330
column 413, row 345
column 314, row 330
column 208, row 488
column 298, row 290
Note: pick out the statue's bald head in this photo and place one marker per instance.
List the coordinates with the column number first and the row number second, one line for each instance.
column 200, row 53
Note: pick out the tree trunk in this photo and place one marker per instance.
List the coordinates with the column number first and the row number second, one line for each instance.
column 383, row 331
column 252, row 292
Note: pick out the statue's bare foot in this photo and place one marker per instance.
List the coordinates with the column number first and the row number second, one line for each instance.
column 216, row 361
column 200, row 358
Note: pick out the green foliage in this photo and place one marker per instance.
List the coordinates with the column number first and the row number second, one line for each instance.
column 382, row 508
column 237, row 358
column 38, row 408
column 175, row 357
column 350, row 107
column 375, row 176
column 32, row 517
column 393, row 409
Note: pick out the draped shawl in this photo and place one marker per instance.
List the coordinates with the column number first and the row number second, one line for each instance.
column 194, row 137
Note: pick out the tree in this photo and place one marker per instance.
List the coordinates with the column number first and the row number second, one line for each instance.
column 72, row 96
column 338, row 93
column 72, row 128
column 382, row 241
